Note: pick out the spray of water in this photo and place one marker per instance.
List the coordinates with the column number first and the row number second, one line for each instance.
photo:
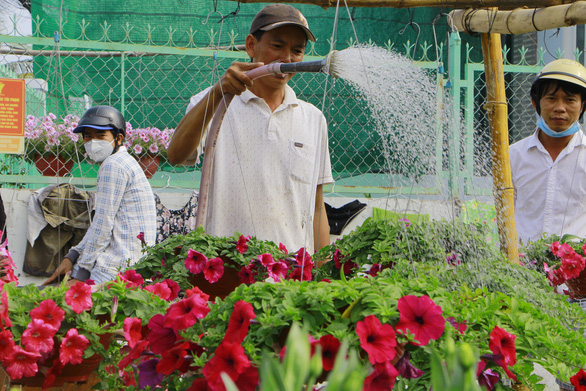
column 401, row 98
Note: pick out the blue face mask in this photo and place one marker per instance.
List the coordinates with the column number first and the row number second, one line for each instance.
column 552, row 133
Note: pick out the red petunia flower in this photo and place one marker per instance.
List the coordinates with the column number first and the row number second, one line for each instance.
column 4, row 318
column 132, row 330
column 160, row 338
column 329, row 350
column 132, row 278
column 195, row 291
column 49, row 312
column 422, row 317
column 195, row 261
column 303, row 257
column 229, row 358
column 6, row 345
column 22, row 363
column 140, row 237
column 72, row 347
column 461, row 327
column 375, row 269
column 186, row 312
column 248, row 380
column 239, row 322
column 572, row 265
column 503, row 343
column 38, row 336
column 283, row 248
column 277, row 270
column 159, row 289
column 376, row 339
column 242, row 245
column 175, row 288
column 349, row 266
column 132, row 355
column 214, row 270
column 246, row 274
column 79, row 297
column 266, row 259
column 579, row 380
column 382, row 378
column 174, row 359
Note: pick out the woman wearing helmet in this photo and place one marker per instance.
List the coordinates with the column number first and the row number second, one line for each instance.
column 548, row 167
column 125, row 205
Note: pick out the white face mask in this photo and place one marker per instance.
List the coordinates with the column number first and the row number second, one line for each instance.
column 99, row 150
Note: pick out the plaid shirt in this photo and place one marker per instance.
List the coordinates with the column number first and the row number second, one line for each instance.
column 125, row 206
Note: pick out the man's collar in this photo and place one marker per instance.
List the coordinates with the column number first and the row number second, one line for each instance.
column 289, row 99
column 577, row 139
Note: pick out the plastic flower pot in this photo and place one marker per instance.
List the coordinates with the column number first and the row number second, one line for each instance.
column 78, row 373
column 53, row 165
column 149, row 164
column 221, row 288
column 577, row 286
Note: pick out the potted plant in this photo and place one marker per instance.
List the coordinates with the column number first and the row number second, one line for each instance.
column 148, row 146
column 217, row 265
column 51, row 144
column 60, row 334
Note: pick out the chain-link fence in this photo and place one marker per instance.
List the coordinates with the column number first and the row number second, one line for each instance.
column 152, row 84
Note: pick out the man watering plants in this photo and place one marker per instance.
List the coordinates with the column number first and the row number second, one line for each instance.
column 272, row 153
column 549, row 167
column 125, row 205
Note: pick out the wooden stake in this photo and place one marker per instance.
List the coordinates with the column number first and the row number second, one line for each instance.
column 520, row 20
column 501, row 4
column 496, row 107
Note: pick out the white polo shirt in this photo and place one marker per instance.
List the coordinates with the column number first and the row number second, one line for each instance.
column 266, row 169
column 550, row 197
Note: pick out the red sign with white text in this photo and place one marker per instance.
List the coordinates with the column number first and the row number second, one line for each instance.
column 11, row 115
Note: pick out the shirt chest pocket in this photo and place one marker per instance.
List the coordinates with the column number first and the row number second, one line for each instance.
column 301, row 161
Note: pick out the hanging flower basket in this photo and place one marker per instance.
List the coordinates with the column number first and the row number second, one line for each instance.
column 79, row 373
column 53, row 165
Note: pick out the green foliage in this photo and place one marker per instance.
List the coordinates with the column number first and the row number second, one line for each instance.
column 386, row 242
column 542, row 326
column 168, row 257
column 459, row 371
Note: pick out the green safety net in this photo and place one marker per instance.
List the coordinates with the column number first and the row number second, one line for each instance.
column 157, row 88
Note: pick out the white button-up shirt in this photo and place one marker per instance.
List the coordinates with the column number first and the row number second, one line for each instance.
column 550, row 197
column 266, row 169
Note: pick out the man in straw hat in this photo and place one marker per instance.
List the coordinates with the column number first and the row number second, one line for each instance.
column 272, row 152
column 548, row 167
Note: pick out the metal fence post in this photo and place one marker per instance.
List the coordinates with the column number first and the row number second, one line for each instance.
column 122, row 84
column 454, row 69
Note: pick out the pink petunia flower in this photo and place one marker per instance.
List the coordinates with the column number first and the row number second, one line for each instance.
column 132, row 331
column 38, row 336
column 195, row 261
column 72, row 347
column 266, row 259
column 277, row 270
column 214, row 270
column 6, row 345
column 283, row 248
column 422, row 317
column 376, row 339
column 486, row 378
column 79, row 297
column 22, row 363
column 49, row 312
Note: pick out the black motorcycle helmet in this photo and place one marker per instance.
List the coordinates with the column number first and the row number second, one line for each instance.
column 103, row 118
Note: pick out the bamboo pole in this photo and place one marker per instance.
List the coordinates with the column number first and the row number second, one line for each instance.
column 520, row 20
column 501, row 4
column 496, row 107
